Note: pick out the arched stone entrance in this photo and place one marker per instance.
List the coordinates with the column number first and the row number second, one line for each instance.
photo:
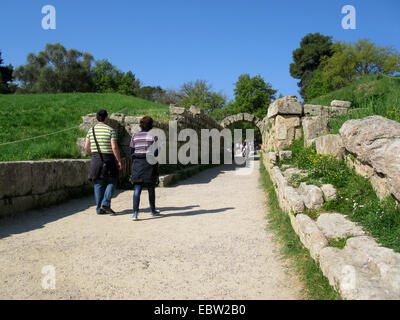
column 241, row 117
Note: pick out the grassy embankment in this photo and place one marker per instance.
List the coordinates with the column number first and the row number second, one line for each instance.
column 374, row 95
column 316, row 286
column 31, row 115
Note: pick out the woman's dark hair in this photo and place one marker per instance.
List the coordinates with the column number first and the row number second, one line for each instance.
column 146, row 123
column 101, row 115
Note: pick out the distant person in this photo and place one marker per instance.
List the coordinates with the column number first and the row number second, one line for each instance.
column 144, row 174
column 101, row 145
column 244, row 149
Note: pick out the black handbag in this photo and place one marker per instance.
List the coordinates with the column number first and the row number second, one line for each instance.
column 108, row 168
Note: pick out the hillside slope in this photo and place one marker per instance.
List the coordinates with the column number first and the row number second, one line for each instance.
column 374, row 95
column 31, row 115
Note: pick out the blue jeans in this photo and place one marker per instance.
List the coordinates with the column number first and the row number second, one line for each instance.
column 103, row 192
column 136, row 197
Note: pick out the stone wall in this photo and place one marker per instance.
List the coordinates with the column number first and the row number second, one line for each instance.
column 362, row 270
column 31, row 184
column 26, row 185
column 288, row 120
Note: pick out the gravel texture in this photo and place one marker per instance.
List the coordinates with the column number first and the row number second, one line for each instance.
column 211, row 243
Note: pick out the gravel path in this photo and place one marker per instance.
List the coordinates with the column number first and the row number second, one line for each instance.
column 210, row 244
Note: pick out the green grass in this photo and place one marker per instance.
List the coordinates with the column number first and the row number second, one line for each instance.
column 339, row 243
column 30, row 115
column 373, row 95
column 316, row 285
column 356, row 196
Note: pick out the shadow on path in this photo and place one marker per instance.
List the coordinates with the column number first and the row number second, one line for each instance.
column 176, row 214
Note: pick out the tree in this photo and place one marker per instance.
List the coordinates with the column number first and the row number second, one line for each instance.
column 351, row 62
column 107, row 78
column 314, row 47
column 56, row 69
column 5, row 77
column 252, row 95
column 201, row 95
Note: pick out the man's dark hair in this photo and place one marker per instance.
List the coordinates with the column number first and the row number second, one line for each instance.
column 101, row 115
column 146, row 123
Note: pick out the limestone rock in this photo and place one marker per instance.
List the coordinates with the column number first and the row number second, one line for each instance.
column 330, row 144
column 272, row 157
column 314, row 127
column 312, row 110
column 195, row 110
column 288, row 173
column 337, row 111
column 287, row 105
column 335, row 225
column 375, row 141
column 294, row 200
column 341, row 104
column 312, row 195
column 80, row 142
column 285, row 155
column 330, row 193
column 310, row 235
column 15, row 178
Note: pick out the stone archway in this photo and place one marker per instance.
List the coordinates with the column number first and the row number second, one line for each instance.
column 241, row 117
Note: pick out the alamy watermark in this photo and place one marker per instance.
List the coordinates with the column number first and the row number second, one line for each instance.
column 49, row 20
column 349, row 20
column 212, row 147
column 49, row 279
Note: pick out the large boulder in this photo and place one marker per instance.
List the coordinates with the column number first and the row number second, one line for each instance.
column 375, row 141
column 287, row 105
column 330, row 144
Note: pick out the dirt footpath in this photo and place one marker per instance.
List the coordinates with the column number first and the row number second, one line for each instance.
column 211, row 243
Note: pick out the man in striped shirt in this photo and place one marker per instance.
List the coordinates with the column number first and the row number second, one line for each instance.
column 107, row 145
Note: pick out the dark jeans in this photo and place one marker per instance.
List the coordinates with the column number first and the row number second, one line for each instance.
column 103, row 192
column 136, row 197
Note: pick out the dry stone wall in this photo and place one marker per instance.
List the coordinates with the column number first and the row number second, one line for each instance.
column 31, row 184
column 362, row 270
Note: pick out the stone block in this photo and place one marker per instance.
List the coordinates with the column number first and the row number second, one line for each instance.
column 330, row 144
column 285, row 106
column 15, row 178
column 341, row 104
column 336, row 225
column 312, row 195
column 330, row 193
column 310, row 235
column 285, row 155
column 312, row 110
column 314, row 127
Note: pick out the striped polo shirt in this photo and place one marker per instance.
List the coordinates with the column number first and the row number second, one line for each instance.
column 104, row 135
column 141, row 142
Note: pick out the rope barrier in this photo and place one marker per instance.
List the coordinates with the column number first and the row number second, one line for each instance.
column 45, row 135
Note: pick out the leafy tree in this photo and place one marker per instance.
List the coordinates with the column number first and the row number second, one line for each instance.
column 107, row 78
column 56, row 69
column 5, row 77
column 314, row 47
column 350, row 62
column 128, row 84
column 200, row 94
column 252, row 95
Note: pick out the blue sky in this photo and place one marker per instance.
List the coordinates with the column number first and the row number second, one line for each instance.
column 169, row 42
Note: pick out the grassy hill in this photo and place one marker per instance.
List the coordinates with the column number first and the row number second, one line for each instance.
column 30, row 115
column 374, row 95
